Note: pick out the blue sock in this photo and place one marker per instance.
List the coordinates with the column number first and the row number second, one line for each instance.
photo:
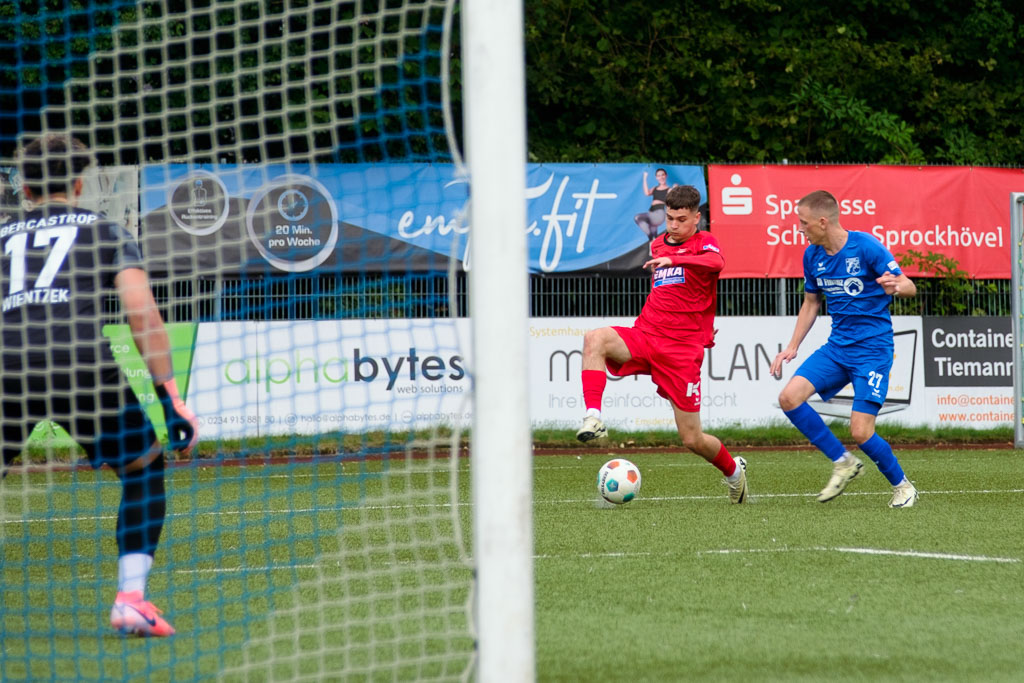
column 817, row 432
column 880, row 452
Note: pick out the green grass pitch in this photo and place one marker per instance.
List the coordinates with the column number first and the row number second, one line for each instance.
column 303, row 571
column 680, row 585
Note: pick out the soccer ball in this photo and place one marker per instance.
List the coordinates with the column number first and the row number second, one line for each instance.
column 618, row 481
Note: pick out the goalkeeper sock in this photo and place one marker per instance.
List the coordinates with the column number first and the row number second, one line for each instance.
column 817, row 432
column 132, row 570
column 594, row 382
column 140, row 518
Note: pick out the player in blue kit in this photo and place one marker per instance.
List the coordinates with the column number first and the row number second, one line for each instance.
column 858, row 278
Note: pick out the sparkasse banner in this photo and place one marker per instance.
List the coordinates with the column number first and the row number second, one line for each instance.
column 960, row 212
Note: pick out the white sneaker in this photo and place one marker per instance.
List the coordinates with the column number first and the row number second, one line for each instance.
column 904, row 495
column 843, row 472
column 738, row 489
column 592, row 429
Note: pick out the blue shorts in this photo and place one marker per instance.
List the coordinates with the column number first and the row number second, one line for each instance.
column 832, row 367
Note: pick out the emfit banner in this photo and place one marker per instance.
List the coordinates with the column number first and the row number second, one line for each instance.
column 960, row 212
column 381, row 217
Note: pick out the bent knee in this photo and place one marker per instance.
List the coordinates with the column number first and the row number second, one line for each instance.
column 796, row 391
column 861, row 435
column 789, row 400
column 599, row 339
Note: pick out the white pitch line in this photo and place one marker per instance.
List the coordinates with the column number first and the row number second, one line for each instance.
column 868, row 551
column 216, row 570
column 239, row 570
column 629, row 555
column 755, row 496
column 787, row 549
column 931, row 556
column 420, row 506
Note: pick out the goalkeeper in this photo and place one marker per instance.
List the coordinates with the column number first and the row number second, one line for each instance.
column 60, row 263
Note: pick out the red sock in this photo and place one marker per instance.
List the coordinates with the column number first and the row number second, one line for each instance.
column 724, row 462
column 593, row 388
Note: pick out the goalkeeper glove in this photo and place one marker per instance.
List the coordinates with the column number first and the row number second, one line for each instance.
column 182, row 424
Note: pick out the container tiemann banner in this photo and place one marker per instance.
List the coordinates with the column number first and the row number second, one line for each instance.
column 960, row 212
column 393, row 217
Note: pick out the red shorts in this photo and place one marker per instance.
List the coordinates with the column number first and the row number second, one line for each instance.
column 674, row 366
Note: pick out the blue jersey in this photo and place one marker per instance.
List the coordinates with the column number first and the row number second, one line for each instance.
column 858, row 305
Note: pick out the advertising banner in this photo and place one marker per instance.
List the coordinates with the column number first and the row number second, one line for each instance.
column 969, row 370
column 262, row 378
column 265, row 378
column 737, row 388
column 387, row 217
column 960, row 212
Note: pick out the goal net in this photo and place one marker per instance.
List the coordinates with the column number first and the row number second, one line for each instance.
column 290, row 171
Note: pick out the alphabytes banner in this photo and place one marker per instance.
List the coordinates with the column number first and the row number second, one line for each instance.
column 260, row 378
column 959, row 212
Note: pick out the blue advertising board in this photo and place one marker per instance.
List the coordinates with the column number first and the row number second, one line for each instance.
column 297, row 218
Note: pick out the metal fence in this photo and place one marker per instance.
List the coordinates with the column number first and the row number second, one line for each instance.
column 327, row 296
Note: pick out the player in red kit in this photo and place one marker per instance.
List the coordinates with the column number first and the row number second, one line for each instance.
column 668, row 339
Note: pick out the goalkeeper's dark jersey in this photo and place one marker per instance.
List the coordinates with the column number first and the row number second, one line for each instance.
column 58, row 268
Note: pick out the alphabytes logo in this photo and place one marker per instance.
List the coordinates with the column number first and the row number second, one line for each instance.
column 300, row 369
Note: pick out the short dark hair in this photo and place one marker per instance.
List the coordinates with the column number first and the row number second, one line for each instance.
column 683, row 197
column 821, row 203
column 50, row 164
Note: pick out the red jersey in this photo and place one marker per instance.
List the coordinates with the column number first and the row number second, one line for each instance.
column 681, row 305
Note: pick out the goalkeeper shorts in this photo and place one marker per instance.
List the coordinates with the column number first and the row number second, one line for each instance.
column 96, row 406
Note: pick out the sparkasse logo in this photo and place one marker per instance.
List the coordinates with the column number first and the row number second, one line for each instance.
column 737, row 200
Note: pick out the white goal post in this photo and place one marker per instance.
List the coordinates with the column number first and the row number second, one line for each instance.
column 495, row 135
column 1017, row 264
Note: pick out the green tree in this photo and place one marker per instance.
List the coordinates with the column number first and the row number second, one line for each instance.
column 946, row 289
column 749, row 80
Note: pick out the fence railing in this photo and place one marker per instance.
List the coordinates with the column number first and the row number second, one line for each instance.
column 326, row 296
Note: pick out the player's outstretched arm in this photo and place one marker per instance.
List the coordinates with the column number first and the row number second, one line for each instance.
column 804, row 321
column 659, row 262
column 154, row 345
column 710, row 261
